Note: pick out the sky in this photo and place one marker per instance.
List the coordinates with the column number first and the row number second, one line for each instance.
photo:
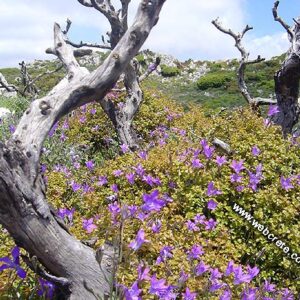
column 183, row 31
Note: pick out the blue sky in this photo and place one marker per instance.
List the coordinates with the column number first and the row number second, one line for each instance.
column 184, row 29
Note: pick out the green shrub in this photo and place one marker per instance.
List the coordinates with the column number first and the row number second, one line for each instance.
column 167, row 71
column 214, row 80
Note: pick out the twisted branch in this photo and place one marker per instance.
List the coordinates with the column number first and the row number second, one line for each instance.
column 253, row 102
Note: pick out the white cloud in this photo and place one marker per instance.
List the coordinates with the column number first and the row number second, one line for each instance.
column 184, row 29
column 269, row 45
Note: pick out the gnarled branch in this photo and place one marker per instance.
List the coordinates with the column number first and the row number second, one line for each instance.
column 281, row 21
column 24, row 211
column 253, row 102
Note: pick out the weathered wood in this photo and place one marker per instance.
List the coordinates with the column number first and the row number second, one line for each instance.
column 121, row 116
column 24, row 211
column 287, row 79
column 253, row 102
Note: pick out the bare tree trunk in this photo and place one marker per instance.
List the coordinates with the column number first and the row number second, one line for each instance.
column 287, row 79
column 121, row 117
column 34, row 228
column 254, row 103
column 24, row 211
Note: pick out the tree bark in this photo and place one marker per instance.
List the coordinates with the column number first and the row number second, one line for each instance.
column 122, row 116
column 25, row 214
column 24, row 211
column 287, row 79
column 287, row 91
column 254, row 103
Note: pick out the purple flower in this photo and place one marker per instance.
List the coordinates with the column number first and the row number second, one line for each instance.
column 46, row 289
column 196, row 164
column 164, row 254
column 90, row 165
column 215, row 274
column 191, row 226
column 43, row 168
column 195, row 252
column 143, row 155
column 152, row 67
column 93, row 111
column 273, row 110
column 75, row 186
column 130, row 177
column 118, row 173
column 139, row 240
column 240, row 188
column 88, row 225
column 221, row 160
column 269, row 287
column 287, row 294
column 63, row 137
column 252, row 272
column 76, row 165
column 183, row 277
column 230, row 268
column 236, row 177
column 13, row 263
column 212, row 191
column 201, row 268
column 249, row 294
column 207, row 150
column 255, row 151
column 237, row 166
column 124, row 148
column 254, row 180
column 139, row 170
column 156, row 226
column 133, row 293
column 210, row 224
column 102, row 180
column 86, row 188
column 132, row 209
column 114, row 188
column 216, row 285
column 82, row 119
column 188, row 295
column 66, row 213
column 267, row 123
column 159, row 288
column 199, row 219
column 114, row 208
column 212, row 204
column 286, row 183
column 152, row 181
column 240, row 277
column 51, row 132
column 152, row 202
column 65, row 125
column 226, row 295
column 143, row 272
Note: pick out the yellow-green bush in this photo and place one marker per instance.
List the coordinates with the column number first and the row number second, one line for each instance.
column 175, row 137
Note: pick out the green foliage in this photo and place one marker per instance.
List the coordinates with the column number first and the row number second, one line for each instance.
column 234, row 237
column 168, row 71
column 215, row 80
column 141, row 59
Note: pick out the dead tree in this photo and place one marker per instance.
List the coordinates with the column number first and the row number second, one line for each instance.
column 24, row 211
column 27, row 81
column 287, row 78
column 253, row 102
column 120, row 115
column 4, row 84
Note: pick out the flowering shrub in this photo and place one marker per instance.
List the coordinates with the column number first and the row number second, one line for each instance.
column 168, row 207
